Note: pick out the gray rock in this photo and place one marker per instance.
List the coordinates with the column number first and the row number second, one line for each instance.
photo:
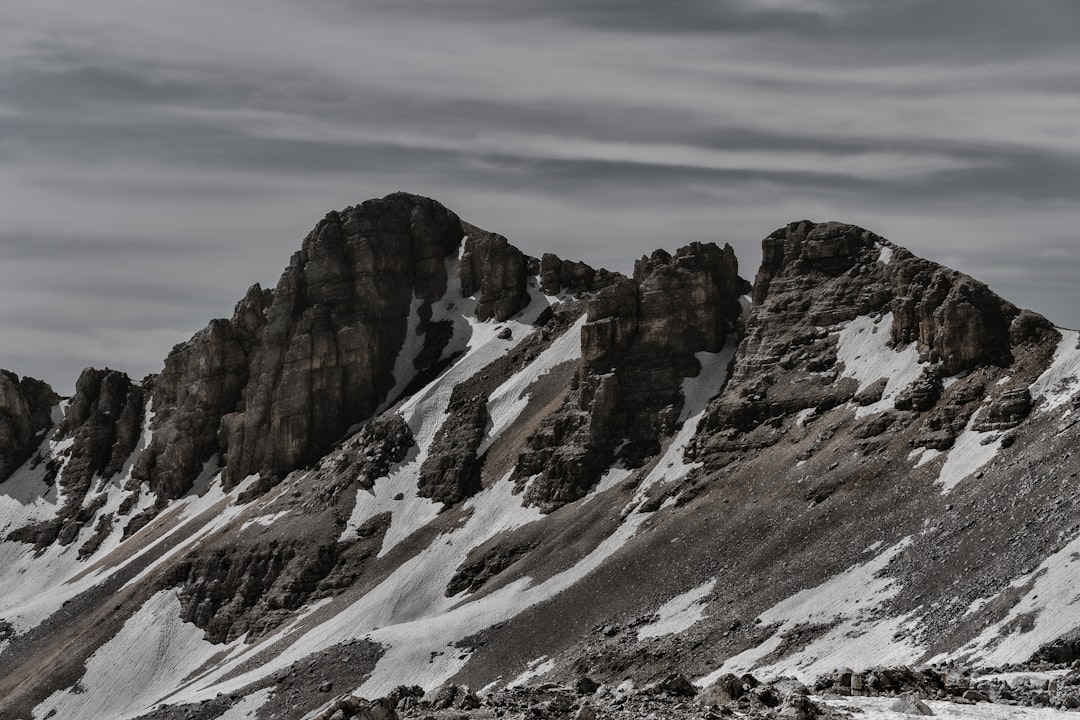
column 910, row 704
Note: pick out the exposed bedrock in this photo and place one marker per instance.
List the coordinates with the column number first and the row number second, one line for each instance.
column 273, row 388
column 25, row 414
column 638, row 345
column 338, row 319
column 103, row 420
column 817, row 277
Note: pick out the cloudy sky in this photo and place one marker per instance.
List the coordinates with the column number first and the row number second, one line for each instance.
column 156, row 158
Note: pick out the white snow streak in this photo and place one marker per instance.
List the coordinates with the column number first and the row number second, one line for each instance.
column 137, row 668
column 508, row 401
column 427, row 410
column 1047, row 611
column 877, row 708
column 679, row 613
column 1061, row 381
column 847, row 601
column 862, row 346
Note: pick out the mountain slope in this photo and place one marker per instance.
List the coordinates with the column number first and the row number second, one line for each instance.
column 426, row 457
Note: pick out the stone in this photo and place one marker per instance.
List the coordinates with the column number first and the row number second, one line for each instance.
column 723, row 691
column 585, row 712
column 676, row 684
column 639, row 343
column 25, row 414
column 495, row 271
column 910, row 704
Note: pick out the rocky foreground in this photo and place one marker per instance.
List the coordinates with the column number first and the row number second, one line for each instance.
column 1041, row 685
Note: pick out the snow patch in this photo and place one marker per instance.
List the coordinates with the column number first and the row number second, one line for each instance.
column 679, row 613
column 923, row 455
column 885, row 255
column 425, row 412
column 862, row 346
column 540, row 666
column 697, row 391
column 247, row 708
column 137, row 668
column 1048, row 610
column 1060, row 382
column 846, row 608
column 878, row 708
column 264, row 519
column 971, row 451
column 508, row 401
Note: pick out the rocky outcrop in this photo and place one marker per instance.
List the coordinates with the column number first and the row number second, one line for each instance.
column 339, row 317
column 955, row 320
column 273, row 388
column 232, row 591
column 102, row 421
column 203, row 380
column 25, row 414
column 557, row 276
column 638, row 345
column 817, row 277
column 451, row 471
column 495, row 271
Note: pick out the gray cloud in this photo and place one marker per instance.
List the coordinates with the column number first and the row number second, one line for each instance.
column 157, row 159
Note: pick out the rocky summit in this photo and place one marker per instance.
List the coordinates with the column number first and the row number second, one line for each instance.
column 427, row 475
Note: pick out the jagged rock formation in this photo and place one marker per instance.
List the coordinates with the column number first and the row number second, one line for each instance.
column 25, row 414
column 426, row 459
column 815, row 277
column 638, row 345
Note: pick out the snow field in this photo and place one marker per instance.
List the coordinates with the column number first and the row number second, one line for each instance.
column 877, row 708
column 862, row 346
column 971, row 451
column 1048, row 610
column 137, row 668
column 857, row 638
column 679, row 613
column 509, row 400
column 697, row 391
column 1061, row 381
column 538, row 667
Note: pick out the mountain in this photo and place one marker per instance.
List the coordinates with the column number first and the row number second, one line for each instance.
column 426, row 458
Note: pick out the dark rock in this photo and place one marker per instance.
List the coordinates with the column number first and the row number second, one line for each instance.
column 638, row 345
column 1005, row 412
column 676, row 684
column 922, row 394
column 495, row 270
column 725, row 690
column 326, row 355
column 475, row 572
column 451, row 471
column 25, row 414
column 586, row 685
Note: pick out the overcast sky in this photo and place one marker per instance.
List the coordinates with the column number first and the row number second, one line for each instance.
column 156, row 158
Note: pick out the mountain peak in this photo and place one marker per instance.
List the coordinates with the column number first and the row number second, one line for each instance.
column 425, row 458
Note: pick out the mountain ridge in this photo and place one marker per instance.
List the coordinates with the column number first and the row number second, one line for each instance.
column 422, row 430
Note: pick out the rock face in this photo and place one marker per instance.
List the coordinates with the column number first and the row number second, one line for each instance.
column 203, row 380
column 817, row 277
column 637, row 347
column 25, row 413
column 102, row 421
column 339, row 317
column 494, row 271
